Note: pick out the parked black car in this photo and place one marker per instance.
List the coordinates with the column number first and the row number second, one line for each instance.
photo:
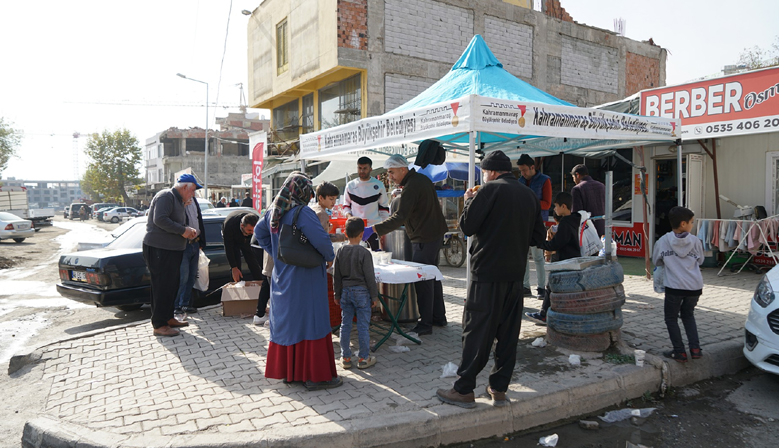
column 116, row 275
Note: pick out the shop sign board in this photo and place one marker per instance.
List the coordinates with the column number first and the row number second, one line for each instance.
column 746, row 103
column 258, row 141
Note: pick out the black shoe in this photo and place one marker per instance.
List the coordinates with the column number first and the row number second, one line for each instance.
column 189, row 310
column 421, row 331
column 526, row 292
column 541, row 293
column 538, row 318
column 678, row 357
column 440, row 324
column 178, row 311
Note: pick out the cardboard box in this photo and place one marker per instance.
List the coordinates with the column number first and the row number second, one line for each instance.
column 240, row 300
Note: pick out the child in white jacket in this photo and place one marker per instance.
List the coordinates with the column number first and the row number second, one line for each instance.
column 682, row 254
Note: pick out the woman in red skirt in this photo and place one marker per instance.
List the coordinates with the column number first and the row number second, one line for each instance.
column 301, row 347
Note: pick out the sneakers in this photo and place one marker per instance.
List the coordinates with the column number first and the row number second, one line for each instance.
column 189, row 310
column 364, row 363
column 696, row 353
column 178, row 311
column 260, row 320
column 538, row 318
column 335, row 382
column 498, row 398
column 451, row 396
column 541, row 293
column 346, row 363
column 678, row 357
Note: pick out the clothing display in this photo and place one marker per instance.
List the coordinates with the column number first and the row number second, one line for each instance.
column 746, row 235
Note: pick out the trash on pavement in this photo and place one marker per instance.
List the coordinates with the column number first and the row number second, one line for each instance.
column 450, row 370
column 539, row 342
column 639, row 355
column 398, row 348
column 549, row 440
column 575, row 360
column 624, row 414
column 588, row 424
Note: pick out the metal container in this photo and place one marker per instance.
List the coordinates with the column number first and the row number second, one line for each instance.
column 410, row 310
column 398, row 243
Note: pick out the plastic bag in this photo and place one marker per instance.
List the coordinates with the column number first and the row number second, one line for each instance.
column 624, row 414
column 602, row 252
column 659, row 279
column 201, row 283
column 549, row 440
column 589, row 243
column 575, row 360
column 450, row 370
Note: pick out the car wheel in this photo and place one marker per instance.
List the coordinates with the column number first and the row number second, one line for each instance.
column 133, row 307
column 582, row 342
column 595, row 277
column 115, row 219
column 19, row 240
column 588, row 302
column 578, row 324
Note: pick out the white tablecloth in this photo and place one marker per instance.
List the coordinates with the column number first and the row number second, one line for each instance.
column 400, row 272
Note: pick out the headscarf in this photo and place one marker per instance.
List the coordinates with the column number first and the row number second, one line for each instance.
column 297, row 190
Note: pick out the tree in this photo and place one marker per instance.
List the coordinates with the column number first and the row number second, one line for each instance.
column 756, row 57
column 9, row 140
column 115, row 158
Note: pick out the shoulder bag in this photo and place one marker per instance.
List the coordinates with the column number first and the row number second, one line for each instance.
column 294, row 247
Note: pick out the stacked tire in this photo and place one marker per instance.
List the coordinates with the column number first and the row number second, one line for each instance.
column 586, row 307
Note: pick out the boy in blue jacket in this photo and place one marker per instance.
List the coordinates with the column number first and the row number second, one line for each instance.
column 682, row 254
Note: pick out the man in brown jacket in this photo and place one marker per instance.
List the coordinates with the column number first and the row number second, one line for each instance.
column 425, row 225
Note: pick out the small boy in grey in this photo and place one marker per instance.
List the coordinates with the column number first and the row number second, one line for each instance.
column 682, row 254
column 354, row 285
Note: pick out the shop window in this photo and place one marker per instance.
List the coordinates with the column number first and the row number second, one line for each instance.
column 285, row 121
column 307, row 119
column 340, row 103
column 282, row 47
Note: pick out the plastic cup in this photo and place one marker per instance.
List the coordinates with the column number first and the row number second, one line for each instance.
column 639, row 354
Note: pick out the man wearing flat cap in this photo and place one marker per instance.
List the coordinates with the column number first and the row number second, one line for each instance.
column 163, row 248
column 503, row 220
column 420, row 213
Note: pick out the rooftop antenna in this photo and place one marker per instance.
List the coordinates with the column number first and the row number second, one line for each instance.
column 619, row 26
column 241, row 98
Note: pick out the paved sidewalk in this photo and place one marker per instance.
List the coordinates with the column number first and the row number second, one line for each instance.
column 125, row 387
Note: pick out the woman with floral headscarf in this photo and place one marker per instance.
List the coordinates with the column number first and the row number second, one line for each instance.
column 301, row 346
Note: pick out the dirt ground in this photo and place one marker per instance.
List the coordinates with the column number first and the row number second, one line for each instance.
column 33, row 314
column 738, row 410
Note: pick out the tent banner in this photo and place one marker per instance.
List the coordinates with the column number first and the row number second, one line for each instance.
column 746, row 103
column 433, row 121
column 536, row 119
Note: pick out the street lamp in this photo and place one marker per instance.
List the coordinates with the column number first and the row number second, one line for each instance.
column 205, row 175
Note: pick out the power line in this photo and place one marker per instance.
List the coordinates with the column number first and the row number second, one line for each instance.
column 111, row 103
column 224, row 50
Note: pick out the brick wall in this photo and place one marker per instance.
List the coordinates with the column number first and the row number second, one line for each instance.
column 512, row 44
column 399, row 89
column 641, row 73
column 353, row 24
column 552, row 8
column 588, row 65
column 427, row 29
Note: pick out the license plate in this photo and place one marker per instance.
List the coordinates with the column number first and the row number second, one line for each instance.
column 22, row 227
column 78, row 276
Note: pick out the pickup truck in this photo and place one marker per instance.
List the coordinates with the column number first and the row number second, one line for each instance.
column 14, row 200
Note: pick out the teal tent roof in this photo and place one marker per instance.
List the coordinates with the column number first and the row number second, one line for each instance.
column 479, row 72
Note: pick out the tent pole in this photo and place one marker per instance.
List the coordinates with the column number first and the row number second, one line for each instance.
column 679, row 191
column 643, row 186
column 609, row 201
column 471, row 184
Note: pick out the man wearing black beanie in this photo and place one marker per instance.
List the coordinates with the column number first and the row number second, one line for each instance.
column 504, row 220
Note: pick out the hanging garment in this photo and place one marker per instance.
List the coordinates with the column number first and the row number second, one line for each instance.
column 729, row 240
column 702, row 233
column 715, row 233
column 754, row 239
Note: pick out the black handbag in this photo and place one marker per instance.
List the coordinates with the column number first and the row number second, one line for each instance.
column 294, row 247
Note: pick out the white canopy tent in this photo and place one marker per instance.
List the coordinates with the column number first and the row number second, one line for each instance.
column 480, row 105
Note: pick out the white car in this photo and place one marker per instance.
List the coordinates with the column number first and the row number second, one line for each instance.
column 14, row 227
column 227, row 210
column 761, row 335
column 117, row 213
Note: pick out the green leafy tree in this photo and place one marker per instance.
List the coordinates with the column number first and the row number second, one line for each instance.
column 115, row 158
column 756, row 57
column 9, row 141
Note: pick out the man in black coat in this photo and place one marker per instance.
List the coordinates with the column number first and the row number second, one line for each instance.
column 589, row 195
column 504, row 220
column 238, row 233
column 247, row 201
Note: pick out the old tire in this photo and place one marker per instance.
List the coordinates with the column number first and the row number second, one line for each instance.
column 578, row 324
column 595, row 277
column 588, row 302
column 582, row 342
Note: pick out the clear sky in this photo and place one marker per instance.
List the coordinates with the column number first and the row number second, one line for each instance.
column 62, row 59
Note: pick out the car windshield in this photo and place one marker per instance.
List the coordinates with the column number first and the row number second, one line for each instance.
column 132, row 238
column 125, row 227
column 8, row 217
